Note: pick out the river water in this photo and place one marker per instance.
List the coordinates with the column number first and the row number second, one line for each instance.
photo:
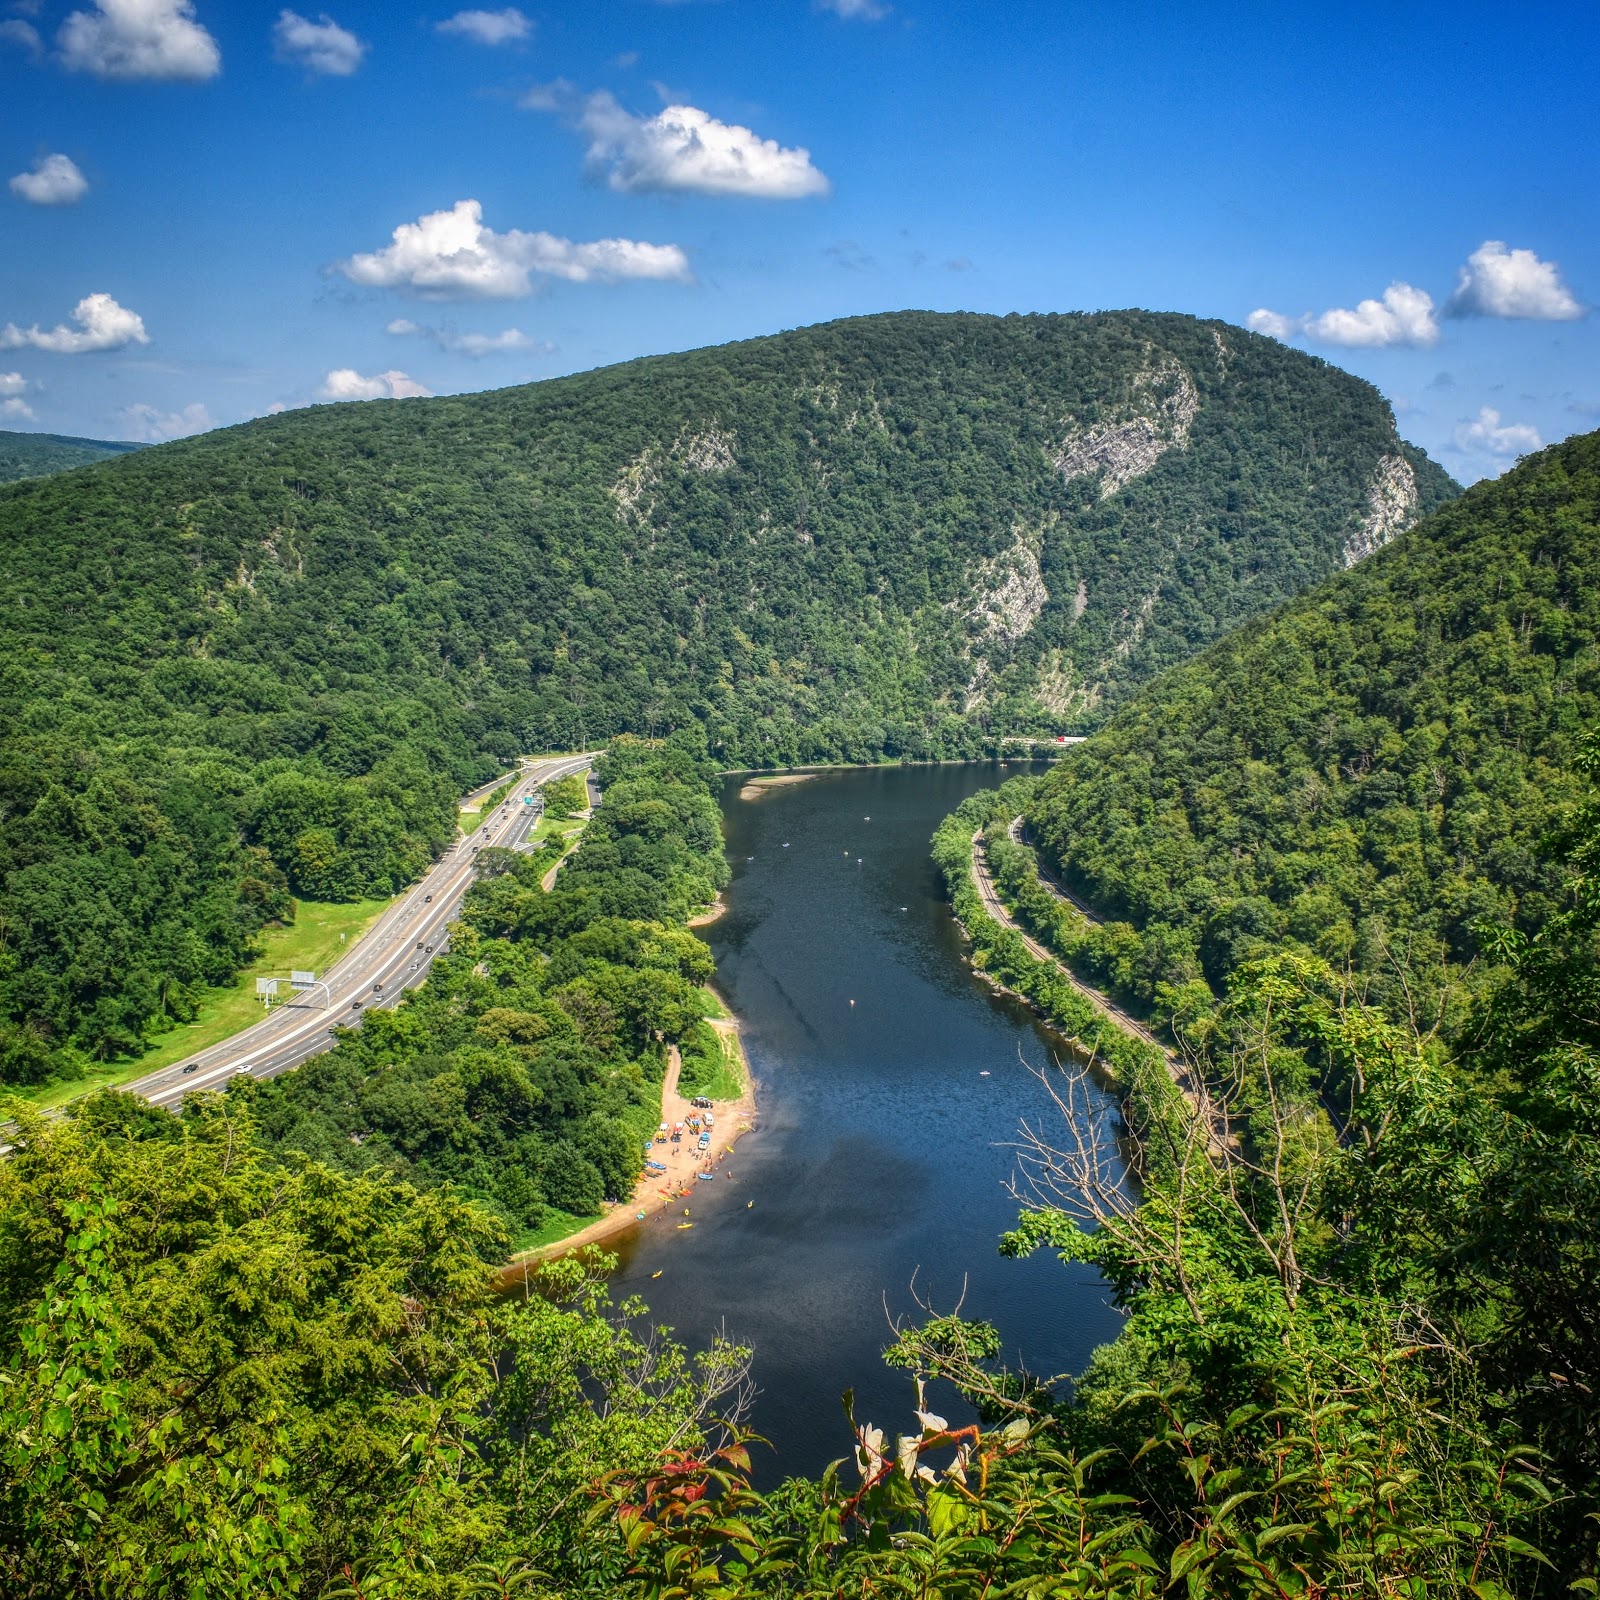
column 881, row 1151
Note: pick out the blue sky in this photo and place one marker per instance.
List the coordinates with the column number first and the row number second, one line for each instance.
column 200, row 223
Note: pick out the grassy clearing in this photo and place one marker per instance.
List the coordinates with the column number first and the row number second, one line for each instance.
column 711, row 1064
column 557, row 1225
column 710, row 1006
column 320, row 934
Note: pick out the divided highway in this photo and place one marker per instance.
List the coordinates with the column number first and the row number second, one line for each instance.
column 393, row 956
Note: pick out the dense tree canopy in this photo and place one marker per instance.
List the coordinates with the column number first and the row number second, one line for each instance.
column 260, row 663
column 37, row 455
column 1366, row 775
column 526, row 1072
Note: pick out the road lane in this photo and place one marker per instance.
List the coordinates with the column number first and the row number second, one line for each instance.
column 393, row 956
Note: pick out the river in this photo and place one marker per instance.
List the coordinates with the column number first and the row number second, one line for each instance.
column 890, row 1082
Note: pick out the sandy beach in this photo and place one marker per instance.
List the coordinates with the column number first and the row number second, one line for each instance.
column 678, row 1185
column 757, row 787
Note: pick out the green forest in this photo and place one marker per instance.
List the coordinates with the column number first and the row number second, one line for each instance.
column 264, row 662
column 1345, row 855
column 37, row 455
column 1366, row 776
column 254, row 1350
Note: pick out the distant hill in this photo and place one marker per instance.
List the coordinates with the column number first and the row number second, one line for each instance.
column 264, row 657
column 1367, row 773
column 37, row 455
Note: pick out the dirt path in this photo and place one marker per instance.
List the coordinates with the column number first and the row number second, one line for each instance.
column 995, row 906
column 574, row 839
column 1177, row 1067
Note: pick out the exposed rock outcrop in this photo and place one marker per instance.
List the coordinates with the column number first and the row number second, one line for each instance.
column 1156, row 419
column 1391, row 508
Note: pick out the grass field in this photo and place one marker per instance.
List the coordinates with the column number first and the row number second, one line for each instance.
column 319, row 935
column 711, row 1063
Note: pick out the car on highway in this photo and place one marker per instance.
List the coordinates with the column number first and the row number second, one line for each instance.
column 194, row 1066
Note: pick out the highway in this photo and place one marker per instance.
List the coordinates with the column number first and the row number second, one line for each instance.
column 393, row 956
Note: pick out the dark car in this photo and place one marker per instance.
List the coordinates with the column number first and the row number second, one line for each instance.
column 194, row 1066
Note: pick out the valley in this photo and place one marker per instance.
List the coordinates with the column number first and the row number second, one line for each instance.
column 1105, row 1102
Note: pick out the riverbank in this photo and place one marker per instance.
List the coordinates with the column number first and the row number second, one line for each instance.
column 679, row 1185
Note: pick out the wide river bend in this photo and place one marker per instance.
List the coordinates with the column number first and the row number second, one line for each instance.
column 891, row 1083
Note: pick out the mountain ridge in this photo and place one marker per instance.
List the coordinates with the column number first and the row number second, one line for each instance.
column 1365, row 774
column 263, row 661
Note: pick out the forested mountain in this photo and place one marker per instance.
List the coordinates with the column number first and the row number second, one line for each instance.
column 259, row 663
column 1367, row 775
column 37, row 455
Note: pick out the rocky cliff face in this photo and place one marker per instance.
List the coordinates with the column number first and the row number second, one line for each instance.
column 1155, row 418
column 1391, row 508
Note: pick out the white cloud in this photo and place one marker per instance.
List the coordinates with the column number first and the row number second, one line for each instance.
column 681, row 149
column 448, row 255
column 23, row 35
column 1497, row 282
column 345, row 383
column 507, row 342
column 54, row 181
column 322, row 46
column 855, row 10
column 1403, row 316
column 12, row 388
column 489, row 27
column 102, row 325
column 139, row 39
column 1487, row 434
column 147, row 423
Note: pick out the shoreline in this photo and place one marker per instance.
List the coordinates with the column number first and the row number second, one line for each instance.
column 704, row 919
column 656, row 1192
column 818, row 767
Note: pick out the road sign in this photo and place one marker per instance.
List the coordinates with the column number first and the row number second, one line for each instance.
column 266, row 987
column 302, row 980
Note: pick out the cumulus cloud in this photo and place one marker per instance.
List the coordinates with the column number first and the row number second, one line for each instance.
column 54, row 181
column 12, row 388
column 447, row 255
column 153, row 425
column 507, row 342
column 1489, row 435
column 489, row 27
column 855, row 10
column 680, row 150
column 14, row 31
column 102, row 325
column 322, row 47
column 345, row 383
column 139, row 39
column 1497, row 282
column 1403, row 316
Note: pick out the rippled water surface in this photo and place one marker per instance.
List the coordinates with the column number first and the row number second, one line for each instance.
column 881, row 1152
